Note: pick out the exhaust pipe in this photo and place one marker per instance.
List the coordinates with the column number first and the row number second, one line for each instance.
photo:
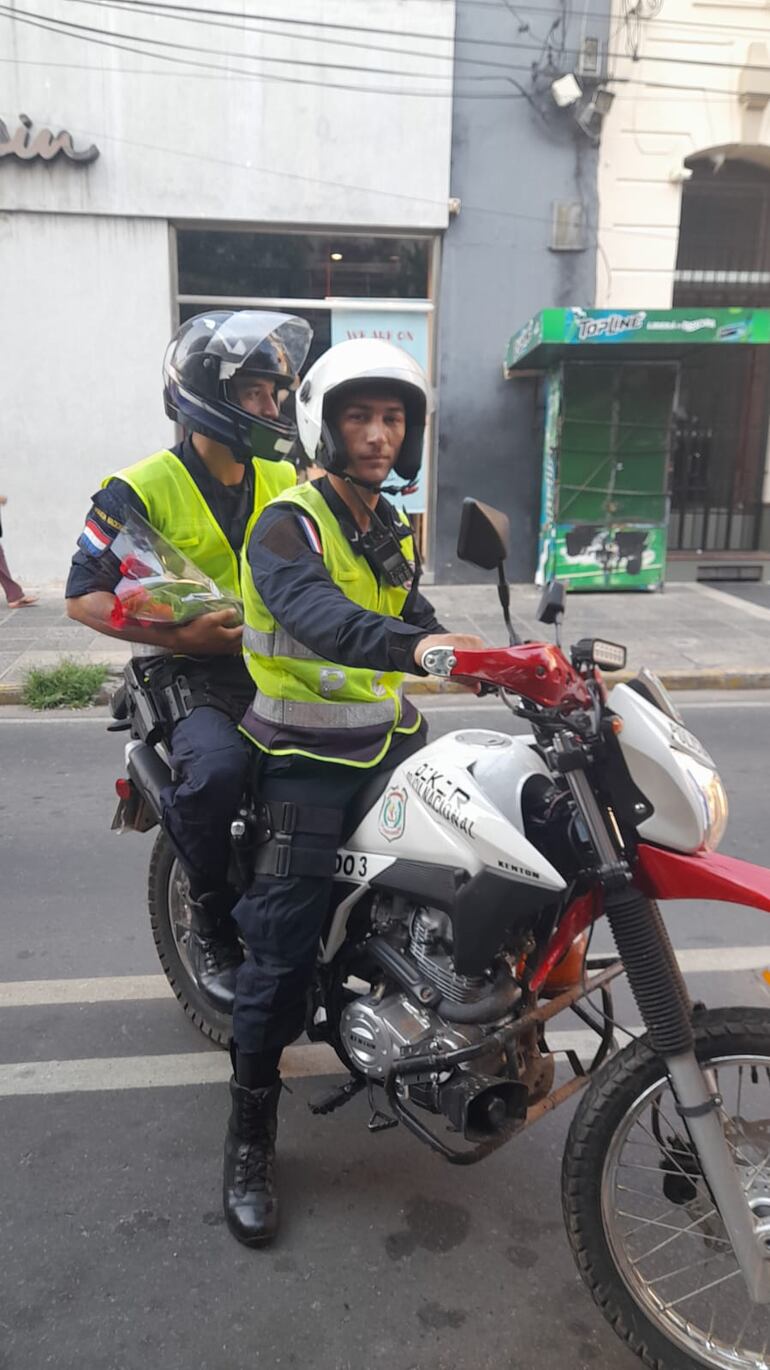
column 150, row 774
column 480, row 1106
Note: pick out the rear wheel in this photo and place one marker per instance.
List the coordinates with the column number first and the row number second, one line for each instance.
column 168, row 896
column 644, row 1231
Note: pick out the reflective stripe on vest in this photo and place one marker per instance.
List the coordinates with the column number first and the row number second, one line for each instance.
column 277, row 643
column 300, row 713
column 177, row 509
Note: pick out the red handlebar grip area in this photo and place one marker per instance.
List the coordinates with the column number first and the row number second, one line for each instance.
column 535, row 670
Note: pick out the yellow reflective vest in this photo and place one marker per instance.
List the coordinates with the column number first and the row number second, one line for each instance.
column 317, row 706
column 176, row 508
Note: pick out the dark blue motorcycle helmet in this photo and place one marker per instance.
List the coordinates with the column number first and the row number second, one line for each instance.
column 209, row 351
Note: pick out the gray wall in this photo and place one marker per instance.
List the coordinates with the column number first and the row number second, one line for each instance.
column 219, row 144
column 508, row 166
column 89, row 304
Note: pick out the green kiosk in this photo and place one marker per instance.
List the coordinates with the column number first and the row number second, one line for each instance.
column 611, row 393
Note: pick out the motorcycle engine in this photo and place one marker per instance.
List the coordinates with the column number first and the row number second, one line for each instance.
column 484, row 1097
column 377, row 1026
column 374, row 1030
column 430, row 945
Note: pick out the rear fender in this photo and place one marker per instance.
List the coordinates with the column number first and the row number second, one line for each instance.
column 666, row 874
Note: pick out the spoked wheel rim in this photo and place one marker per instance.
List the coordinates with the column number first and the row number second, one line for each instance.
column 669, row 1245
column 180, row 916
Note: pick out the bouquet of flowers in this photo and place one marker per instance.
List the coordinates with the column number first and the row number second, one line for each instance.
column 159, row 583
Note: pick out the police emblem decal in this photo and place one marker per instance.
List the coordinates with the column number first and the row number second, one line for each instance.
column 392, row 820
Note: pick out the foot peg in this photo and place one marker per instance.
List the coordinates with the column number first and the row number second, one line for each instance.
column 337, row 1097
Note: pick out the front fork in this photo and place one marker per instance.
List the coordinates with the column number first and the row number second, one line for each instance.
column 661, row 995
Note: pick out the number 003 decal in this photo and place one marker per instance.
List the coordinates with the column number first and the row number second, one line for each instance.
column 360, row 866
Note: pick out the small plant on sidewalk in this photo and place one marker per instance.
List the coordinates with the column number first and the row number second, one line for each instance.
column 69, row 685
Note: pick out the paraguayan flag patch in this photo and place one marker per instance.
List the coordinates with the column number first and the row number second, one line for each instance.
column 94, row 540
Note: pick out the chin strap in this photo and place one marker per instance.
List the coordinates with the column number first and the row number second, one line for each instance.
column 376, row 489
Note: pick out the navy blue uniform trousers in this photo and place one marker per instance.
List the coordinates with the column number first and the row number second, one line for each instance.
column 281, row 918
column 211, row 760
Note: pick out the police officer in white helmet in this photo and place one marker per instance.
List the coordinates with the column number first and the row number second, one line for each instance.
column 333, row 619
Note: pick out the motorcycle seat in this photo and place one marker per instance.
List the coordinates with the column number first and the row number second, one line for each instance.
column 364, row 801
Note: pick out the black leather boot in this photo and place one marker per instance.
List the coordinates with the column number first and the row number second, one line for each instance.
column 248, row 1191
column 214, row 950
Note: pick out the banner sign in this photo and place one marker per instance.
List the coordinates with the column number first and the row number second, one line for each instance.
column 407, row 329
column 534, row 344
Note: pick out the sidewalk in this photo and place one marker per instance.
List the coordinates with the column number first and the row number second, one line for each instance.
column 692, row 635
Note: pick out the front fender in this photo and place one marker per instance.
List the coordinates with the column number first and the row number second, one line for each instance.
column 666, row 874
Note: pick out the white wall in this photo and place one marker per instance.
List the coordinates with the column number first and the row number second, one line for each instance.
column 181, row 141
column 85, row 303
column 698, row 48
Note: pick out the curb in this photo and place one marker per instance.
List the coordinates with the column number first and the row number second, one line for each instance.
column 707, row 678
column 12, row 694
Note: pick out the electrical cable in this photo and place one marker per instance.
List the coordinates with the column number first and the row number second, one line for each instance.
column 159, row 8
column 176, row 11
column 180, row 13
column 87, row 33
column 98, row 38
column 70, row 29
column 228, row 74
column 524, row 25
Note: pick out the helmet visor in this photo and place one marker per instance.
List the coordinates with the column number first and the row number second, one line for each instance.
column 273, row 346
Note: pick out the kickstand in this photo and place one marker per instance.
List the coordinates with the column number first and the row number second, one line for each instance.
column 379, row 1121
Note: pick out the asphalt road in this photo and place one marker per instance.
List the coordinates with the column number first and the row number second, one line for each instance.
column 115, row 1256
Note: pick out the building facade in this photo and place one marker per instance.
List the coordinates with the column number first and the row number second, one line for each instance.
column 193, row 161
column 684, row 189
column 524, row 174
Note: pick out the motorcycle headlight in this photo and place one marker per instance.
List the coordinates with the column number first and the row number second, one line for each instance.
column 709, row 791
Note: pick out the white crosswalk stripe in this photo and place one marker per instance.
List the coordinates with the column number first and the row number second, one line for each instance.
column 125, row 988
column 107, row 1073
column 208, row 1066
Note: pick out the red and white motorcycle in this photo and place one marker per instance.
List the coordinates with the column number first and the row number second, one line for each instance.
column 467, row 883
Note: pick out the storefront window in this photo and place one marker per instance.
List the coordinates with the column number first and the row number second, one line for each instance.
column 304, row 266
column 232, row 268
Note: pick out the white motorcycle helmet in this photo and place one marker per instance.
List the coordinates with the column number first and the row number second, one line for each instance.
column 352, row 366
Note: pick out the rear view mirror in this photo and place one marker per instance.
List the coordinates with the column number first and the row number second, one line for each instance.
column 483, row 537
column 551, row 607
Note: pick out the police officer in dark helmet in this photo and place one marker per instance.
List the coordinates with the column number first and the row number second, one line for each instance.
column 333, row 618
column 225, row 374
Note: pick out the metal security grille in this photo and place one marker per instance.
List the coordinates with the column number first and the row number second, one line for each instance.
column 720, row 433
column 718, row 452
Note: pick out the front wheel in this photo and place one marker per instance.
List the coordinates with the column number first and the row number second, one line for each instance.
column 168, row 897
column 647, row 1239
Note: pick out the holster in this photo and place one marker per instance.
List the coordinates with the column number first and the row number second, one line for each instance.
column 164, row 690
column 278, row 824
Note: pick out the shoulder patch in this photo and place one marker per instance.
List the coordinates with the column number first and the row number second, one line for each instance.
column 311, row 533
column 97, row 535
